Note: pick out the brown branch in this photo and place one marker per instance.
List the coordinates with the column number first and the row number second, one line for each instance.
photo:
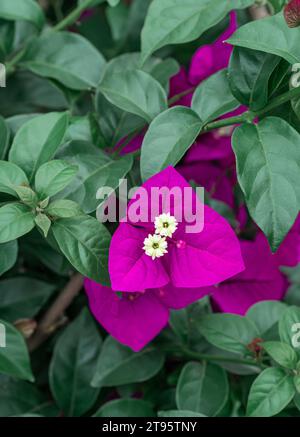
column 52, row 318
column 257, row 12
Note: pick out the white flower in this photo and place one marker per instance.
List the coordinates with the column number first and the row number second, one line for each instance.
column 155, row 246
column 165, row 225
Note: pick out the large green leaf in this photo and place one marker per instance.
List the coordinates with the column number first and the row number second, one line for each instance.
column 84, row 242
column 159, row 69
column 136, row 92
column 282, row 353
column 22, row 297
column 27, row 10
column 8, row 256
column 272, row 390
column 67, row 57
column 115, row 123
column 37, row 141
column 10, row 176
column 268, row 165
column 271, row 35
column 96, row 170
column 73, row 362
column 213, row 97
column 202, row 388
column 169, row 136
column 175, row 21
column 14, row 357
column 289, row 327
column 126, row 408
column 228, row 331
column 249, row 74
column 118, row 365
column 15, row 220
column 18, row 397
column 265, row 315
column 52, row 177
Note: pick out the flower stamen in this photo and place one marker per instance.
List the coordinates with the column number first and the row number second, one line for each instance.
column 165, row 225
column 155, row 246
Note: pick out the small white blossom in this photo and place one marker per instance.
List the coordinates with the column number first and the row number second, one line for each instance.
column 155, row 246
column 165, row 225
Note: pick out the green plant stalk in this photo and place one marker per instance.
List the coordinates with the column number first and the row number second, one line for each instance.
column 72, row 17
column 249, row 116
column 11, row 65
column 206, row 357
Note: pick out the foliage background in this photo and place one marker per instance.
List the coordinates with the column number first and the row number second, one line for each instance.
column 69, row 96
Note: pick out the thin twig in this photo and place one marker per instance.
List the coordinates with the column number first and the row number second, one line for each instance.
column 50, row 320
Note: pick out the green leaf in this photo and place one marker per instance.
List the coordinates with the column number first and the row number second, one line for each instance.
column 18, row 397
column 118, row 365
column 96, row 170
column 27, row 196
column 213, row 97
column 175, row 22
column 289, row 327
column 228, row 331
column 23, row 297
column 282, row 353
column 126, row 408
column 63, row 209
column 116, row 124
column 297, row 385
column 27, row 10
column 15, row 220
column 84, row 242
column 136, row 92
column 4, row 138
column 179, row 413
column 168, row 138
column 117, row 18
column 249, row 74
column 271, row 35
column 37, row 141
column 268, row 161
column 270, row 393
column 202, row 388
column 73, row 362
column 43, row 223
column 8, row 256
column 52, row 55
column 265, row 315
column 10, row 176
column 52, row 177
column 14, row 357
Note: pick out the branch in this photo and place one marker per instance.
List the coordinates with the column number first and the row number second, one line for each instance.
column 257, row 12
column 50, row 321
column 73, row 16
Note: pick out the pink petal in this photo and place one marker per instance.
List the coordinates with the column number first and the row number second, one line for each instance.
column 178, row 298
column 213, row 178
column 211, row 58
column 209, row 257
column 130, row 268
column 261, row 280
column 133, row 323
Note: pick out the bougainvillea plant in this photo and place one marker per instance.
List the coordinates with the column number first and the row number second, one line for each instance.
column 106, row 308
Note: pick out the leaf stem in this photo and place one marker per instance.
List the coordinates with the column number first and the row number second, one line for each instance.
column 249, row 116
column 179, row 96
column 11, row 65
column 72, row 17
column 207, row 357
